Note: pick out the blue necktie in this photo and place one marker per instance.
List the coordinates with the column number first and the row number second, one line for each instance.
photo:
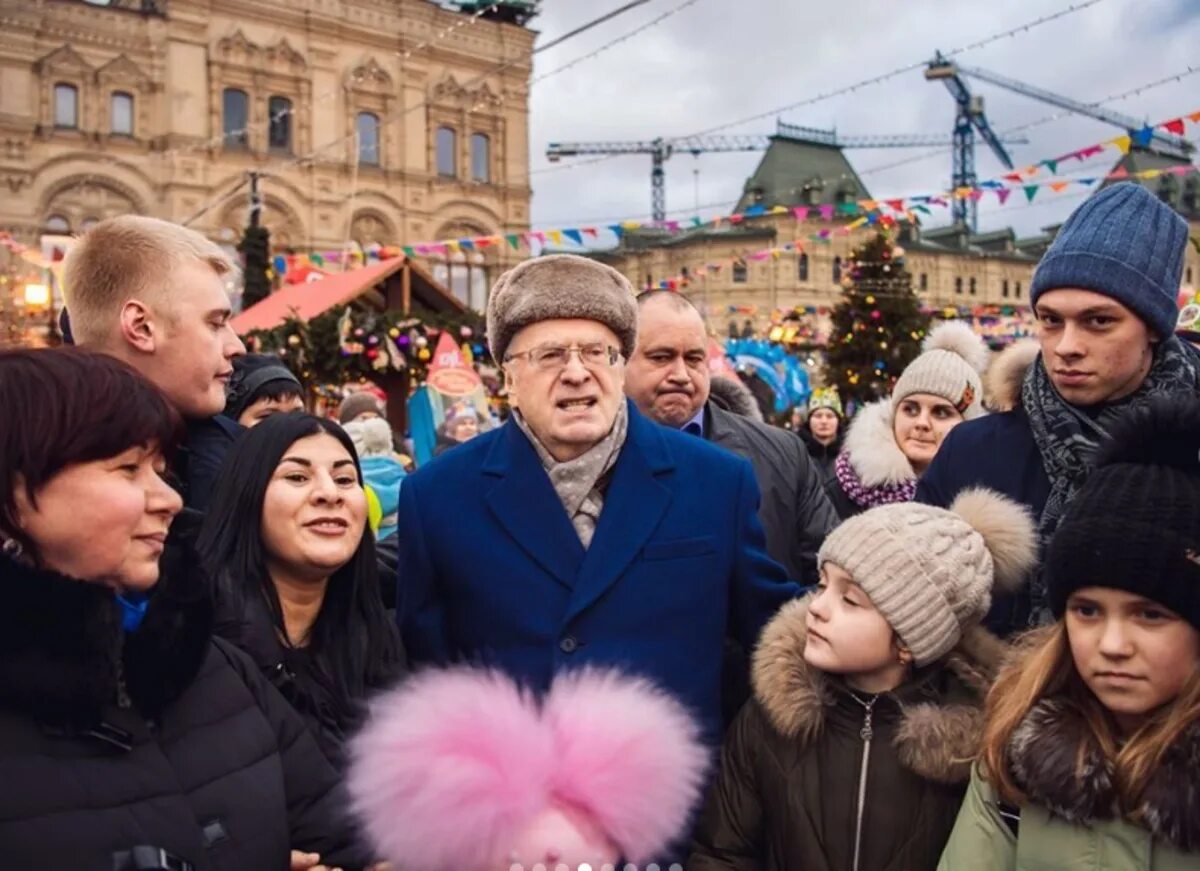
column 695, row 429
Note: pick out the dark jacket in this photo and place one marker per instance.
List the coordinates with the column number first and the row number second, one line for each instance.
column 823, row 456
column 795, row 513
column 788, row 793
column 198, row 462
column 292, row 671
column 163, row 737
column 678, row 561
column 996, row 451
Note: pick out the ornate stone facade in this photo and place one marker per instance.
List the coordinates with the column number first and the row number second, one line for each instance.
column 368, row 120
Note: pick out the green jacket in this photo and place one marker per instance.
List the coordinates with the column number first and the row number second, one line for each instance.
column 1068, row 822
column 982, row 841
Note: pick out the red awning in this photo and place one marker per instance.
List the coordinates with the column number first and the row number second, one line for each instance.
column 307, row 300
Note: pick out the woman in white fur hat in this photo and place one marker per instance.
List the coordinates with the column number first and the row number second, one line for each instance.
column 892, row 441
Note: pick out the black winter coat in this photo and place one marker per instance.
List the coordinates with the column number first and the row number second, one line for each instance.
column 823, row 456
column 162, row 737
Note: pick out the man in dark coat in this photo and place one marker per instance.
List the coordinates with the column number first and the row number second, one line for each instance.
column 581, row 533
column 1105, row 300
column 152, row 293
column 668, row 378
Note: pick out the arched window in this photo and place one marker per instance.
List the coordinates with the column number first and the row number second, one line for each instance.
column 972, row 286
column 924, row 282
column 57, row 225
column 447, row 148
column 235, row 118
column 87, row 224
column 837, row 269
column 739, row 273
column 1017, row 290
column 481, row 155
column 1004, row 288
column 66, row 106
column 802, row 268
column 279, row 124
column 120, row 117
column 367, row 126
column 958, row 284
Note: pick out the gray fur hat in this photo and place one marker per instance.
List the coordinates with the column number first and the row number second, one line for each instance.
column 560, row 286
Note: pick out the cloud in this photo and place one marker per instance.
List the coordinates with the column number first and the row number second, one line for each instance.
column 717, row 61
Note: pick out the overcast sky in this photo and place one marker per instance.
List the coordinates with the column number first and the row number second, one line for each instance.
column 716, row 61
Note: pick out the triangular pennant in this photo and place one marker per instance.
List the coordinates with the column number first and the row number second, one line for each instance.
column 1013, row 177
column 1059, row 186
column 1141, row 138
column 779, row 210
column 1030, row 192
column 975, row 195
column 574, row 235
column 467, row 244
column 1002, row 194
column 1175, row 126
column 697, row 222
column 800, row 213
column 673, row 226
column 754, row 211
column 896, row 205
column 1122, row 143
column 453, row 245
column 735, row 219
column 1119, row 172
column 514, row 240
column 1051, row 165
column 408, row 251
column 827, row 212
column 590, row 231
column 1085, row 181
column 1194, row 117
column 924, row 210
column 556, row 237
column 485, row 241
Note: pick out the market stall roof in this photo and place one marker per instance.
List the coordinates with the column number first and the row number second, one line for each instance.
column 309, row 299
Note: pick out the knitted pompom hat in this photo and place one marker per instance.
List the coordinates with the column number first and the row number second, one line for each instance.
column 930, row 571
column 460, row 769
column 950, row 366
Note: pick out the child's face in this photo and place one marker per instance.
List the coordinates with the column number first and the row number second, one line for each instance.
column 1133, row 654
column 847, row 636
column 260, row 409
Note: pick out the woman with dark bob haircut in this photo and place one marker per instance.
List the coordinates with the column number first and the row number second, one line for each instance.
column 129, row 737
column 286, row 539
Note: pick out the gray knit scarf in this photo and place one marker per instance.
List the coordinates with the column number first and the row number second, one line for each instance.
column 1067, row 438
column 576, row 480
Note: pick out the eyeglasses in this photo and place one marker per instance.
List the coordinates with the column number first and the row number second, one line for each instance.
column 552, row 358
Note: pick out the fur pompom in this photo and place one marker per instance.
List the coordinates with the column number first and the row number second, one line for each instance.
column 456, row 768
column 1002, row 384
column 449, row 766
column 1165, row 432
column 957, row 337
column 1008, row 532
column 628, row 755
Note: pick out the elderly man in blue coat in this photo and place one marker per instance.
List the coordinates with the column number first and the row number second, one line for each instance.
column 580, row 532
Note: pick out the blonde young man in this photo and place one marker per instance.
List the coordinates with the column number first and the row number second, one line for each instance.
column 152, row 294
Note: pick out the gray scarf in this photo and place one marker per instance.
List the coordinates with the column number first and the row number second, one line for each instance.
column 1067, row 438
column 576, row 480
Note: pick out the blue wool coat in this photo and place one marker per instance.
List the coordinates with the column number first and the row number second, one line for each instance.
column 491, row 570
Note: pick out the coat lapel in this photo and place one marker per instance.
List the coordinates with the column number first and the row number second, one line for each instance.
column 524, row 502
column 633, row 506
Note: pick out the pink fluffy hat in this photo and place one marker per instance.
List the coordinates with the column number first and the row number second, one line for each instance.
column 460, row 770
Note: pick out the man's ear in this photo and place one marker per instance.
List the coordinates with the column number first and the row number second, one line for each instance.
column 510, row 387
column 138, row 327
column 903, row 653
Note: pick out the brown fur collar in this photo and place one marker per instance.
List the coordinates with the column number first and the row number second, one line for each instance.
column 871, row 446
column 1060, row 766
column 936, row 740
column 1003, row 379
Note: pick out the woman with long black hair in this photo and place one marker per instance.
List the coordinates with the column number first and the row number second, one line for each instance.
column 287, row 541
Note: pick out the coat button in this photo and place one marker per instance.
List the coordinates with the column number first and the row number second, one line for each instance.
column 568, row 644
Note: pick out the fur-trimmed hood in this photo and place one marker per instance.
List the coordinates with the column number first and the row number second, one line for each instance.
column 734, row 396
column 64, row 656
column 1003, row 379
column 1059, row 766
column 872, row 450
column 939, row 732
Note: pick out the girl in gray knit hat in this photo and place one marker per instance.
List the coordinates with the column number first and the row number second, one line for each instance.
column 892, row 441
column 855, row 751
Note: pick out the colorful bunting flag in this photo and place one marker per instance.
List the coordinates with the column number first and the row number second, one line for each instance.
column 1059, row 186
column 1141, row 138
column 1002, row 194
column 574, row 235
column 1122, row 143
column 1030, row 192
column 514, row 240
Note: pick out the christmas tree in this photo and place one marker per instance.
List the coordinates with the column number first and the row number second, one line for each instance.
column 255, row 249
column 877, row 327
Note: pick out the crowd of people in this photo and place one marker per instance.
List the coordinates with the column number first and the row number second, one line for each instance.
column 959, row 629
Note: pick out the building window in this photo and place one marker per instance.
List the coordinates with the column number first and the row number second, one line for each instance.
column 1189, row 275
column 279, row 130
column 481, row 153
column 87, row 224
column 837, row 269
column 1017, row 290
column 739, row 273
column 1190, row 197
column 57, row 225
column 1004, row 288
column 447, row 157
column 958, row 284
column 66, row 106
column 803, row 267
column 235, row 109
column 972, row 286
column 367, row 126
column 924, row 281
column 120, row 121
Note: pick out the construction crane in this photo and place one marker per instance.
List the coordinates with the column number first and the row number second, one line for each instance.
column 970, row 114
column 661, row 149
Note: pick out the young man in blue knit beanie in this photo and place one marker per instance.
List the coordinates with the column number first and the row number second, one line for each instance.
column 1105, row 300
